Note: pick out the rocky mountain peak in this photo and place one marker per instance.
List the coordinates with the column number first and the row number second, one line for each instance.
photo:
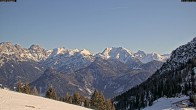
column 35, row 47
column 85, row 52
column 140, row 53
column 194, row 39
column 5, row 43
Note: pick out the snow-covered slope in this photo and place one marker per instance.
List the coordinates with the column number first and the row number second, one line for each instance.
column 145, row 58
column 168, row 104
column 180, row 56
column 10, row 100
column 8, row 52
column 68, row 60
column 124, row 55
column 119, row 53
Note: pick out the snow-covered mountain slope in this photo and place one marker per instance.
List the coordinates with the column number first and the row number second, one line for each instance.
column 119, row 53
column 145, row 58
column 66, row 60
column 180, row 56
column 17, row 63
column 9, row 52
column 59, row 57
column 170, row 104
column 124, row 55
column 10, row 100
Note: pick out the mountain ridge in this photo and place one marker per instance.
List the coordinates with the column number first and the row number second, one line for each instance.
column 37, row 53
column 78, row 70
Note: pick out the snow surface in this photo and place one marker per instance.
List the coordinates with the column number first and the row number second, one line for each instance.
column 10, row 100
column 167, row 104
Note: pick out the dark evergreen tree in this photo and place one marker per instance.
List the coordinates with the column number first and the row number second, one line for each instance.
column 68, row 98
column 76, row 98
column 101, row 100
column 50, row 93
column 109, row 105
column 19, row 87
column 86, row 103
column 193, row 99
column 26, row 88
column 95, row 100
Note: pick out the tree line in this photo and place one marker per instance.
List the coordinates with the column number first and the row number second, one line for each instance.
column 96, row 102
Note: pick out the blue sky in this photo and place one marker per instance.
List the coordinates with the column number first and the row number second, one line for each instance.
column 149, row 25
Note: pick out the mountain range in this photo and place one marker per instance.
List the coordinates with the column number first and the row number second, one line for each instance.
column 113, row 71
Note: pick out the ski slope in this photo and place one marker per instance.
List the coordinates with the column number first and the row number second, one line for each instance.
column 10, row 100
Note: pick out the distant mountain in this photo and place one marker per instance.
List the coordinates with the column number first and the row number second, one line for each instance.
column 125, row 55
column 145, row 58
column 176, row 77
column 17, row 63
column 66, row 60
column 76, row 70
column 17, row 53
column 62, row 83
column 112, row 77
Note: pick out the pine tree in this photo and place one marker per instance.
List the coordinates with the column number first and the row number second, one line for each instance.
column 94, row 100
column 86, row 103
column 193, row 99
column 101, row 100
column 109, row 105
column 68, row 98
column 19, row 86
column 34, row 91
column 26, row 88
column 76, row 98
column 50, row 93
column 98, row 101
column 82, row 100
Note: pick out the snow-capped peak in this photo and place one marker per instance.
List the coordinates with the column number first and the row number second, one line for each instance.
column 147, row 57
column 5, row 43
column 124, row 54
column 34, row 47
column 116, row 50
column 9, row 51
column 119, row 53
column 36, row 53
column 72, row 52
column 140, row 54
column 85, row 52
column 57, row 51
